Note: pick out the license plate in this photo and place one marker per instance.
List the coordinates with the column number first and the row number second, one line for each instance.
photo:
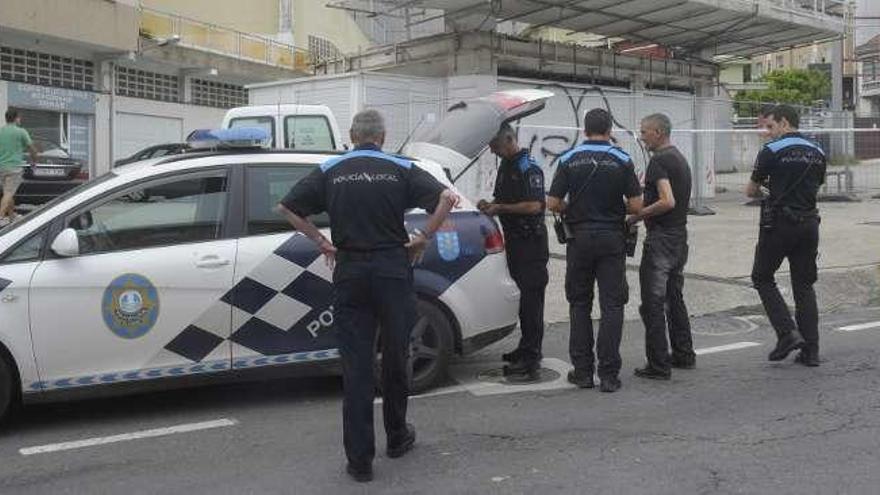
column 49, row 172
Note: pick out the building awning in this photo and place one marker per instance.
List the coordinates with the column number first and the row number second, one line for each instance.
column 707, row 27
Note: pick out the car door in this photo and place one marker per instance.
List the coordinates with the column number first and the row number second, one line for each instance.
column 143, row 298
column 283, row 292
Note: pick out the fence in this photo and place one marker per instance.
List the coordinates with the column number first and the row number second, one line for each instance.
column 208, row 37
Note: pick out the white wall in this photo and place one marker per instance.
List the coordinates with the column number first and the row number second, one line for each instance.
column 3, row 102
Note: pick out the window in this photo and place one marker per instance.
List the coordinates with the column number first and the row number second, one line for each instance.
column 322, row 50
column 148, row 85
column 218, row 94
column 46, row 69
column 29, row 250
column 308, row 132
column 266, row 186
column 159, row 213
column 265, row 123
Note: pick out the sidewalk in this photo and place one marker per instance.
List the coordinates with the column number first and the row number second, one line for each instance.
column 722, row 247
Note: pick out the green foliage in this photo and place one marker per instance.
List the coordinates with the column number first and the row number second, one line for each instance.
column 794, row 86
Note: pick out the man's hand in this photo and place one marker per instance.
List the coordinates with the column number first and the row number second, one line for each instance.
column 482, row 204
column 416, row 248
column 329, row 251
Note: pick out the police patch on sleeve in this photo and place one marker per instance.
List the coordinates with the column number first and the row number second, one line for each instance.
column 130, row 306
column 536, row 181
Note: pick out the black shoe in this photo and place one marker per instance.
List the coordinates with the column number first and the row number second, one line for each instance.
column 582, row 380
column 684, row 363
column 652, row 373
column 398, row 449
column 609, row 385
column 807, row 358
column 516, row 355
column 361, row 474
column 522, row 372
column 787, row 343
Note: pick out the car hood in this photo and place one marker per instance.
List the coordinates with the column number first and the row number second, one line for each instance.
column 465, row 131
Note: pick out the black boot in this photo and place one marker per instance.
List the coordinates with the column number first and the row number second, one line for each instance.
column 583, row 379
column 402, row 445
column 787, row 343
column 652, row 373
column 524, row 370
column 361, row 474
column 807, row 358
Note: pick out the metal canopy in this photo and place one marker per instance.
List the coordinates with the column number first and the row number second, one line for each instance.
column 709, row 27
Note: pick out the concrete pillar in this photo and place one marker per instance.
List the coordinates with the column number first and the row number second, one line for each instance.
column 4, row 103
column 703, row 166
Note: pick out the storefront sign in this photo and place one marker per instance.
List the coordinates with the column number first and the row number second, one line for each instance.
column 47, row 98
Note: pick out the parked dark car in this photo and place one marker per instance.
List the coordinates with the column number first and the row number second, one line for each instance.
column 55, row 173
column 153, row 152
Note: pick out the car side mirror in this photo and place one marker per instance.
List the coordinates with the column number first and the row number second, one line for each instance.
column 66, row 244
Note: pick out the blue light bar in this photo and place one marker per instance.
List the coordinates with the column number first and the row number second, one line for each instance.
column 238, row 137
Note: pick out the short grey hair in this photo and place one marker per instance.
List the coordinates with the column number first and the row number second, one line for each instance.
column 504, row 133
column 660, row 122
column 367, row 125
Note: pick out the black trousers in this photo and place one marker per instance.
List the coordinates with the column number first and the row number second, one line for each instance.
column 596, row 257
column 527, row 261
column 661, row 277
column 370, row 289
column 799, row 242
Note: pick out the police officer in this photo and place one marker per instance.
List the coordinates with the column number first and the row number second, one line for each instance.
column 519, row 203
column 366, row 193
column 595, row 186
column 793, row 168
column 661, row 274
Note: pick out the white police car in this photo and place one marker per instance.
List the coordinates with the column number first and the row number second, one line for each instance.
column 102, row 291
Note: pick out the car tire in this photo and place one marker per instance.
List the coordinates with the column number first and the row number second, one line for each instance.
column 431, row 350
column 7, row 390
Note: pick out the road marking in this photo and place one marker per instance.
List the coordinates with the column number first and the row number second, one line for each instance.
column 158, row 432
column 727, row 347
column 861, row 326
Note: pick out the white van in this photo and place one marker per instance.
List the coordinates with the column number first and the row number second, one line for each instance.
column 299, row 127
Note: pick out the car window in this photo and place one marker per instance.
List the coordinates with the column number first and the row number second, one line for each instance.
column 29, row 250
column 266, row 123
column 308, row 132
column 266, row 186
column 158, row 213
column 161, row 152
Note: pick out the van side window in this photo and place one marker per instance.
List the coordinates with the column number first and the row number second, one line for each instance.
column 266, row 123
column 308, row 132
column 266, row 186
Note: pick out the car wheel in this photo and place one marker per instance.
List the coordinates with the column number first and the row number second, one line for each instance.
column 431, row 347
column 6, row 389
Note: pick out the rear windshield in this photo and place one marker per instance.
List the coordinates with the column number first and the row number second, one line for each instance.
column 467, row 128
column 308, row 132
column 264, row 122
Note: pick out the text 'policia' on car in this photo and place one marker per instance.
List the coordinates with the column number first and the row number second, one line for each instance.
column 178, row 270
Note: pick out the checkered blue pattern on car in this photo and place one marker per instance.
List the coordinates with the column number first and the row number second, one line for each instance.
column 188, row 370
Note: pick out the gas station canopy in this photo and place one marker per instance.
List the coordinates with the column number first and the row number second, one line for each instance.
column 709, row 28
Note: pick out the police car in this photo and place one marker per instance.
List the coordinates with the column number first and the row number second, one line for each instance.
column 102, row 290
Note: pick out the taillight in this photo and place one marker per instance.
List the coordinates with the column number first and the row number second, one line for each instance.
column 82, row 175
column 494, row 242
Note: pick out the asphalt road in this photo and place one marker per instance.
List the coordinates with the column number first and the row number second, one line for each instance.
column 736, row 424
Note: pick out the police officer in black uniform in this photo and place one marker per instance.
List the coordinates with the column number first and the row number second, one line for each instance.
column 595, row 186
column 366, row 193
column 793, row 168
column 519, row 203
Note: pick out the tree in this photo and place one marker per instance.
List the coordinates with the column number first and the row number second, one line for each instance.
column 794, row 86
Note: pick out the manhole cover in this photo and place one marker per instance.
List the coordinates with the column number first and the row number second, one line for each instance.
column 731, row 325
column 496, row 375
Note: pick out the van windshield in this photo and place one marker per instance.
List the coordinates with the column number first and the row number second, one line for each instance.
column 308, row 132
column 266, row 123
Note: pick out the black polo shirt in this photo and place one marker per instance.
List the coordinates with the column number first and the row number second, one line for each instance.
column 519, row 180
column 668, row 163
column 781, row 164
column 366, row 193
column 600, row 204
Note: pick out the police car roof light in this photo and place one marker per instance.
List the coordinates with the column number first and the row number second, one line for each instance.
column 235, row 138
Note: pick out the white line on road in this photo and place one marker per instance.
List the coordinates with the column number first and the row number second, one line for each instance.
column 158, row 432
column 728, row 347
column 861, row 326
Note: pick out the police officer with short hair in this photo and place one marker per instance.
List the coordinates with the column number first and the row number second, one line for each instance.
column 601, row 187
column 366, row 193
column 793, row 168
column 519, row 203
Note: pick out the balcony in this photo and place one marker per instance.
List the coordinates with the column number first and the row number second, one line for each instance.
column 871, row 89
column 208, row 38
